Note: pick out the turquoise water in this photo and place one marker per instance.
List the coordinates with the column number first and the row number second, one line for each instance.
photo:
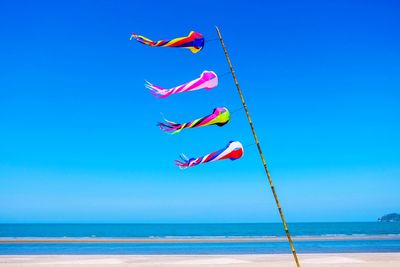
column 390, row 231
column 196, row 230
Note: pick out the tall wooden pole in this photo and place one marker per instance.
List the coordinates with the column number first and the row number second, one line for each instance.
column 259, row 149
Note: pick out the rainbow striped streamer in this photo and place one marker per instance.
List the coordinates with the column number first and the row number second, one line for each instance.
column 207, row 80
column 233, row 151
column 194, row 41
column 219, row 117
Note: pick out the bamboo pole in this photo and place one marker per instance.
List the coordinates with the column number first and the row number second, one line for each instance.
column 259, row 150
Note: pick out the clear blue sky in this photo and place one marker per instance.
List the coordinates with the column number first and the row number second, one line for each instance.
column 78, row 141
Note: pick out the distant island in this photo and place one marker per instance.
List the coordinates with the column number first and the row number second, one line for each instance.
column 392, row 217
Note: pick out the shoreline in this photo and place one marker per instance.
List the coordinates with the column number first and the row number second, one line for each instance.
column 195, row 239
column 236, row 260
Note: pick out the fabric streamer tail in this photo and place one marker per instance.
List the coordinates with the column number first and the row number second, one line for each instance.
column 233, row 151
column 220, row 117
column 207, row 80
column 182, row 164
column 194, row 41
column 170, row 126
column 157, row 91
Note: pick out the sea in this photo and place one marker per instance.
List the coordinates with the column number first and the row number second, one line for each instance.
column 349, row 237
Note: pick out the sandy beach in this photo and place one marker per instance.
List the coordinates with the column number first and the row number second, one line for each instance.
column 282, row 260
